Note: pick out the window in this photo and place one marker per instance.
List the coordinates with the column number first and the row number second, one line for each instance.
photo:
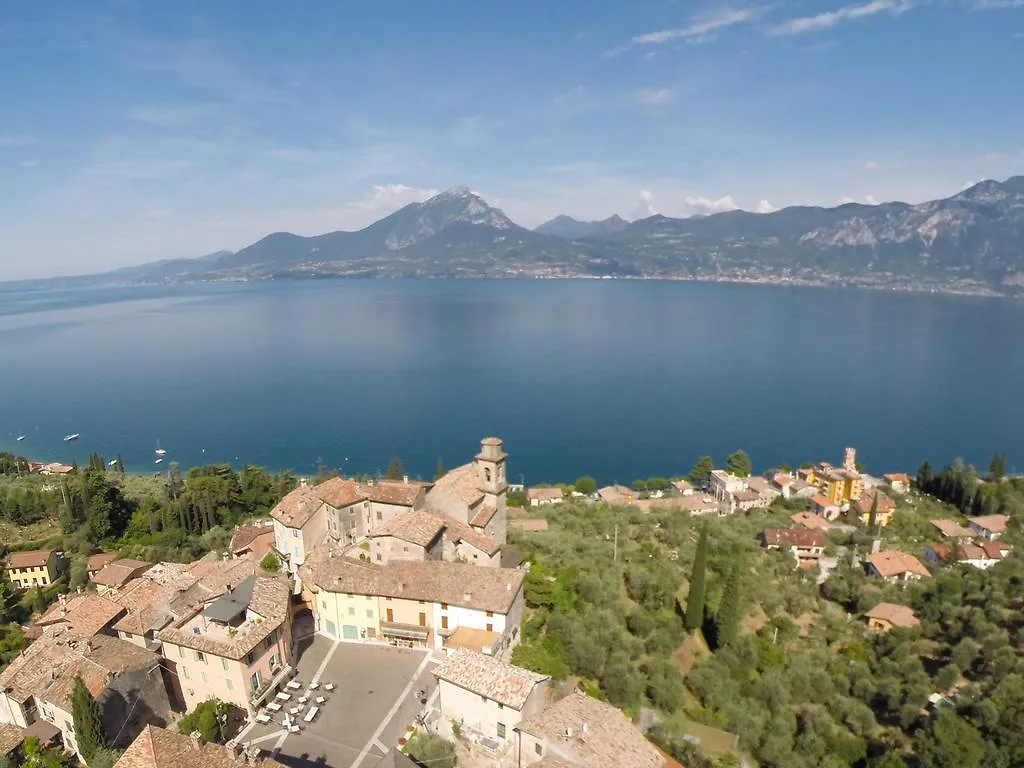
column 184, row 671
column 380, row 515
column 224, row 664
column 228, row 684
column 405, row 549
column 490, row 627
column 181, row 652
column 371, row 632
column 369, row 613
column 500, row 705
column 501, row 728
column 387, row 599
column 254, row 681
column 271, row 639
column 444, row 606
column 200, row 656
column 351, row 610
column 483, row 699
column 421, row 602
column 295, row 534
column 538, row 748
column 379, row 558
column 202, row 674
column 487, row 474
column 490, row 614
column 323, row 604
column 423, row 619
column 444, row 622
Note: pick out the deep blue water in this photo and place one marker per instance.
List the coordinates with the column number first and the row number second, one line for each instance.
column 618, row 379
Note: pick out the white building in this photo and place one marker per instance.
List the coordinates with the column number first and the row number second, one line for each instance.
column 487, row 697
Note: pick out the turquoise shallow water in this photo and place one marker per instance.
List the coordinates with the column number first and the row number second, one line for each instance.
column 618, row 379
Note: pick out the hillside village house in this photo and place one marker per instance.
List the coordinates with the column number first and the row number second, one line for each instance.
column 409, row 603
column 982, row 556
column 807, row 520
column 37, row 684
column 989, row 526
column 683, row 487
column 722, row 485
column 806, row 546
column 896, row 567
column 840, row 485
column 37, row 568
column 116, row 574
column 147, row 602
column 617, row 495
column 950, row 529
column 583, row 732
column 345, row 511
column 157, row 747
column 253, row 540
column 898, row 481
column 825, row 509
column 422, row 534
column 542, row 497
column 861, row 508
column 885, row 616
column 486, row 697
column 236, row 647
column 95, row 563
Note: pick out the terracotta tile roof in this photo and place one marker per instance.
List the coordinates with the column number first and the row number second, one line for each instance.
column 897, row 477
column 269, row 602
column 298, row 507
column 11, row 737
column 418, row 527
column 893, row 562
column 47, row 668
column 483, row 516
column 996, row 550
column 992, row 523
column 951, row 529
column 472, row 639
column 970, row 552
column 610, row 738
column 782, row 480
column 746, row 495
column 897, row 615
column 807, row 520
column 797, row 537
column 219, row 576
column 159, row 748
column 759, row 485
column 533, row 525
column 338, row 492
column 867, row 499
column 245, row 535
column 682, row 485
column 469, row 586
column 822, row 501
column 396, row 492
column 148, row 598
column 544, row 494
column 32, row 559
column 459, row 531
column 487, row 676
column 942, row 552
column 462, row 483
column 84, row 615
column 118, row 573
column 100, row 559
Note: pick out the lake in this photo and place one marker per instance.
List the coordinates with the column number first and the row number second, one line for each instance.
column 617, row 379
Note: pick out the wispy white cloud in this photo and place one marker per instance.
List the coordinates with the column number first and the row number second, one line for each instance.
column 765, row 207
column 654, row 97
column 867, row 200
column 872, row 165
column 699, row 28
column 829, row 19
column 996, row 5
column 644, row 206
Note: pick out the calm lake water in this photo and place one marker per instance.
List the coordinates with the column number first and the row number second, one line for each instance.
column 618, row 379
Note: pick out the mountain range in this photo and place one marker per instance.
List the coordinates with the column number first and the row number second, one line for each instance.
column 972, row 241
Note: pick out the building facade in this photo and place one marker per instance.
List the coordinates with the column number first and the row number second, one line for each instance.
column 37, row 568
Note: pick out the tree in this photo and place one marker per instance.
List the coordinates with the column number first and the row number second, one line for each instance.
column 36, row 757
column 38, row 600
column 950, row 742
column 700, row 475
column 429, row 749
column 87, row 719
column 873, row 514
column 997, row 469
column 208, row 718
column 586, row 485
column 738, row 463
column 270, row 563
column 924, row 477
column 698, row 586
column 105, row 758
column 727, row 622
column 439, row 472
column 395, row 471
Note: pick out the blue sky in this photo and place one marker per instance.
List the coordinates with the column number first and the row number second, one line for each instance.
column 134, row 131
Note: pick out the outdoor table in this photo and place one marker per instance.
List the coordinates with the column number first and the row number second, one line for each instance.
column 303, row 699
column 283, row 696
column 314, row 686
column 262, row 718
column 329, row 686
column 320, row 700
column 295, row 710
column 293, row 684
column 274, row 706
column 311, row 714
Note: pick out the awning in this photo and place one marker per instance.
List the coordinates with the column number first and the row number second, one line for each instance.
column 406, row 631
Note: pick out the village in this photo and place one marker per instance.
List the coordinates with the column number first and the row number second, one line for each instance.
column 363, row 612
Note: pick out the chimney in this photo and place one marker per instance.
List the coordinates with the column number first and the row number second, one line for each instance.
column 467, row 596
column 196, row 740
column 405, row 479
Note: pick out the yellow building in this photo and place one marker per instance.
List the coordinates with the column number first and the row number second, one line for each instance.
column 840, row 485
column 38, row 568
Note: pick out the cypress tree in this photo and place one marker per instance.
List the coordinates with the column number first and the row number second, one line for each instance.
column 439, row 472
column 698, row 585
column 727, row 623
column 38, row 601
column 88, row 722
column 394, row 469
column 873, row 514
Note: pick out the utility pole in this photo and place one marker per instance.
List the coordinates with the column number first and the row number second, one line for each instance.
column 615, row 546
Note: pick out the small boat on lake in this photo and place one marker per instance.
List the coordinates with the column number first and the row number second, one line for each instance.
column 112, row 462
column 159, row 451
column 73, row 436
column 20, row 438
column 158, row 461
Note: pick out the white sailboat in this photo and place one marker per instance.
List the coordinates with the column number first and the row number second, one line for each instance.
column 20, row 438
column 72, row 436
column 112, row 462
column 158, row 461
column 159, row 451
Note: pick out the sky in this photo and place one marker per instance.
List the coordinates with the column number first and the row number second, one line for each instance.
column 137, row 131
